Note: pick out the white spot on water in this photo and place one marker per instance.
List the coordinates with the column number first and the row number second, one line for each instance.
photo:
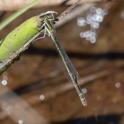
column 93, row 19
column 4, row 82
column 81, row 22
column 122, row 14
column 42, row 97
column 95, row 25
column 117, row 84
column 20, row 121
column 84, row 90
column 101, row 11
column 89, row 35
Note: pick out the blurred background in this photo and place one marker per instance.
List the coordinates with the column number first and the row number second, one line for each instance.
column 36, row 89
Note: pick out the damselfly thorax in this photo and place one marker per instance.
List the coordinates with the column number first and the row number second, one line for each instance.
column 47, row 21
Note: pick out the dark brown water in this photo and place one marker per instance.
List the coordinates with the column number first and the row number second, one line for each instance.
column 37, row 81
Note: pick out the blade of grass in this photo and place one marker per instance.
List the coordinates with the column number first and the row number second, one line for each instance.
column 17, row 14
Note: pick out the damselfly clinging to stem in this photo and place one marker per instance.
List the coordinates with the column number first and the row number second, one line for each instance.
column 20, row 38
column 48, row 29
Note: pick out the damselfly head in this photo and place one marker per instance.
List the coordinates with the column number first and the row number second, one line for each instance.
column 49, row 17
column 49, row 14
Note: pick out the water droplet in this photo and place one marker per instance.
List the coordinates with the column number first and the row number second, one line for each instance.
column 93, row 9
column 101, row 11
column 117, row 84
column 81, row 22
column 93, row 40
column 89, row 35
column 122, row 14
column 4, row 82
column 99, row 18
column 84, row 90
column 95, row 25
column 90, row 19
column 20, row 121
column 93, row 20
column 42, row 97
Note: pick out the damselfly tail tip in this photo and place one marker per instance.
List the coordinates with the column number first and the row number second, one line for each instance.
column 84, row 102
column 83, row 99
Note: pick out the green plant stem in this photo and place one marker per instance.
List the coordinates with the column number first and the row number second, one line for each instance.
column 17, row 14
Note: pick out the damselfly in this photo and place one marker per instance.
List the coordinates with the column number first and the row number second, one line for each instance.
column 50, row 31
column 19, row 39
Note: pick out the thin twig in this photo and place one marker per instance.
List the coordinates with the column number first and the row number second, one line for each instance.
column 10, row 5
column 17, row 14
column 73, row 14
